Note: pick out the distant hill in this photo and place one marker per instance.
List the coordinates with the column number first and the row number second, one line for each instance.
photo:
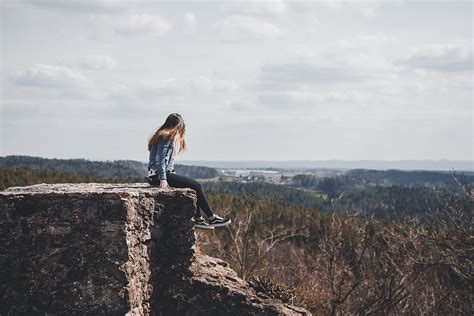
column 129, row 169
column 366, row 178
column 117, row 169
column 459, row 165
column 409, row 178
column 12, row 177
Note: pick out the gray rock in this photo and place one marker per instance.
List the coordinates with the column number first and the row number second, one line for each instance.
column 104, row 249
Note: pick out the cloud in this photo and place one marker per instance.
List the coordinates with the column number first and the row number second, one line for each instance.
column 236, row 28
column 43, row 75
column 309, row 98
column 354, row 80
column 98, row 62
column 193, row 85
column 142, row 23
column 296, row 73
column 364, row 43
column 206, row 84
column 190, row 21
column 326, row 68
column 53, row 83
column 274, row 7
column 169, row 86
column 172, row 88
column 367, row 9
column 324, row 80
column 82, row 6
column 441, row 58
column 240, row 106
column 378, row 38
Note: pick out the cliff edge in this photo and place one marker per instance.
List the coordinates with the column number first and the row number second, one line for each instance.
column 106, row 249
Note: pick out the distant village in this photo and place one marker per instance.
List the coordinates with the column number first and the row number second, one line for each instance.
column 275, row 176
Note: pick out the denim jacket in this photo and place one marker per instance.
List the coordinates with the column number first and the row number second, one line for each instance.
column 161, row 159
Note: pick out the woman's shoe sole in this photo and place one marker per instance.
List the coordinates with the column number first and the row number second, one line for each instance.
column 204, row 227
column 221, row 224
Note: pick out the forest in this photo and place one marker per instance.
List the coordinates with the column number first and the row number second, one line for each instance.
column 366, row 242
column 120, row 170
column 342, row 264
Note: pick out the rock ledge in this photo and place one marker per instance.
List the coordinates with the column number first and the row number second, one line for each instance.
column 94, row 248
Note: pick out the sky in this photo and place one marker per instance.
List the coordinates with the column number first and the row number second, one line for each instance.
column 253, row 80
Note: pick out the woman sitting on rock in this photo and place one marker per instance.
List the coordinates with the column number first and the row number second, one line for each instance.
column 163, row 147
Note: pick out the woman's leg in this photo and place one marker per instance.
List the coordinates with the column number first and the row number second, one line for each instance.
column 180, row 181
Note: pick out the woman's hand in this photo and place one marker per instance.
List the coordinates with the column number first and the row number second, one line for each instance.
column 164, row 184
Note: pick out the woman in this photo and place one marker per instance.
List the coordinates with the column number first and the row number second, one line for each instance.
column 163, row 147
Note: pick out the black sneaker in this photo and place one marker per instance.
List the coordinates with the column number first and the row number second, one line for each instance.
column 219, row 221
column 200, row 222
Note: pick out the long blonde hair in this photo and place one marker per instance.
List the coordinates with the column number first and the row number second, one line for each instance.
column 174, row 125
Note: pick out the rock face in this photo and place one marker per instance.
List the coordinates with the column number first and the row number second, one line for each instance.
column 114, row 249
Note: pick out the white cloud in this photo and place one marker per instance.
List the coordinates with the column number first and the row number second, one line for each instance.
column 174, row 87
column 310, row 98
column 325, row 79
column 274, row 7
column 241, row 28
column 364, row 42
column 168, row 86
column 200, row 84
column 297, row 73
column 98, row 62
column 366, row 8
column 377, row 38
column 369, row 11
column 136, row 24
column 225, row 86
column 42, row 75
column 142, row 23
column 204, row 84
column 441, row 57
column 53, row 83
column 82, row 6
column 190, row 21
column 240, row 106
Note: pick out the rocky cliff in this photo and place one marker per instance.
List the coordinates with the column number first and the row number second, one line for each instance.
column 114, row 249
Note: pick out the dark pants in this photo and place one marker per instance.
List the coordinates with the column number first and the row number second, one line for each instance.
column 180, row 181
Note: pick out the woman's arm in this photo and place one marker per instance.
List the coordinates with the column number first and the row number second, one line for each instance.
column 161, row 152
column 170, row 167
